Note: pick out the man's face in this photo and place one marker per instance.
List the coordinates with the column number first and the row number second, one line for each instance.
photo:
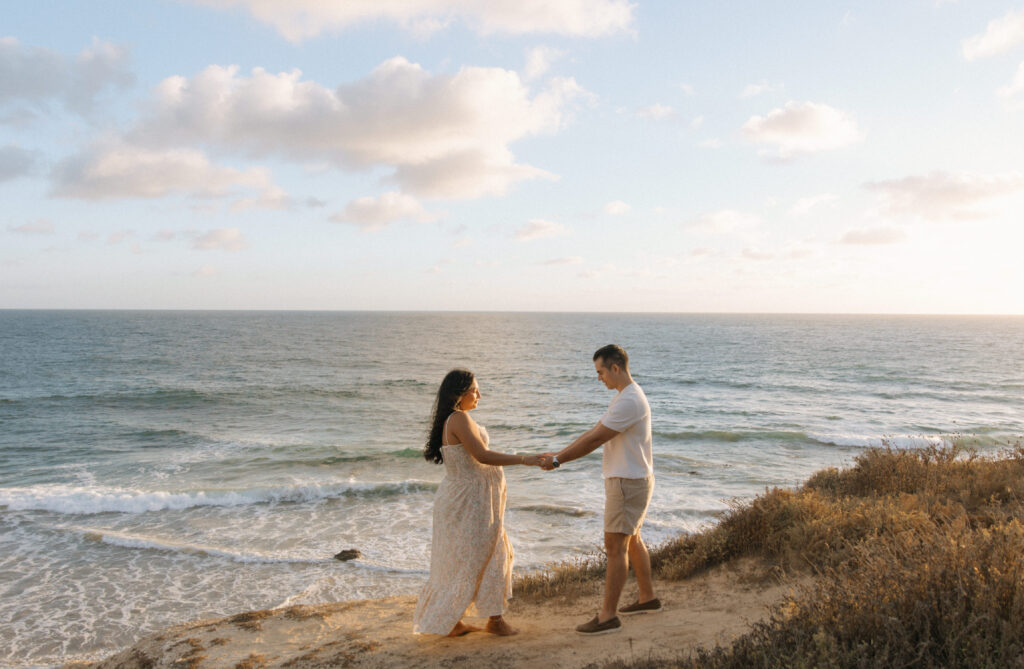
column 604, row 375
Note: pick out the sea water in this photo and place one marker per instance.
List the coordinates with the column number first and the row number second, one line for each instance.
column 157, row 467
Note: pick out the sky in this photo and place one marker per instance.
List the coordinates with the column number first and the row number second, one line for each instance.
column 513, row 155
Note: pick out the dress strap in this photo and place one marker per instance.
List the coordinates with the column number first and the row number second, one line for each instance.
column 444, row 430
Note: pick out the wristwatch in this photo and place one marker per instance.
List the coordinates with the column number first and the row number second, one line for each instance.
column 554, row 462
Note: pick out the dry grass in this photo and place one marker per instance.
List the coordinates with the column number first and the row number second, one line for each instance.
column 918, row 556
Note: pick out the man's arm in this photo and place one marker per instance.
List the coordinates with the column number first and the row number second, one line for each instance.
column 586, row 443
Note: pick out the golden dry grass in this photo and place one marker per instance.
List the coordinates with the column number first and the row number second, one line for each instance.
column 918, row 556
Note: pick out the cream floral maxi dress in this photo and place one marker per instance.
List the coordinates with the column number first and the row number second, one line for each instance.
column 470, row 555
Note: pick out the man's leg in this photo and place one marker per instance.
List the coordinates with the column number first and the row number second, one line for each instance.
column 615, row 575
column 641, row 561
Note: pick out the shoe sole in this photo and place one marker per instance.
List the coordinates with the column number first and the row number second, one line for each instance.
column 611, row 631
column 640, row 613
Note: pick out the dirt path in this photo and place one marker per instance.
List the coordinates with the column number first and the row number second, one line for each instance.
column 710, row 608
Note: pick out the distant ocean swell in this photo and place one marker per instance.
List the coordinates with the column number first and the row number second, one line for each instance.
column 980, row 439
column 78, row 500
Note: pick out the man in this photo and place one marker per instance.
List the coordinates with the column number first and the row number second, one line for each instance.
column 625, row 432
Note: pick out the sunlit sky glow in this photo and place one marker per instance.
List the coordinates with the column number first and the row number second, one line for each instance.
column 555, row 155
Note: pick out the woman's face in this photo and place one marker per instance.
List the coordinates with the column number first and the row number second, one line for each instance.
column 470, row 398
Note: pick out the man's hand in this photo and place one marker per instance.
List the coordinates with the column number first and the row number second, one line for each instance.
column 547, row 461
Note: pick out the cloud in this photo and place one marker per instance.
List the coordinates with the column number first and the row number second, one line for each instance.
column 15, row 162
column 711, row 143
column 724, row 221
column 940, row 195
column 539, row 60
column 36, row 75
column 40, row 226
column 444, row 135
column 568, row 260
column 372, row 214
column 1000, row 36
column 539, row 229
column 617, row 208
column 805, row 204
column 222, row 239
column 206, row 271
column 873, row 236
column 686, row 88
column 803, row 127
column 297, row 20
column 1015, row 89
column 757, row 254
column 655, row 112
column 114, row 170
column 753, row 90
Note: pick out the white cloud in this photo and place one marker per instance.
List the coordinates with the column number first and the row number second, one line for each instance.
column 36, row 75
column 206, row 271
column 1000, row 36
column 753, row 90
column 873, row 236
column 710, row 143
column 805, row 204
column 445, row 136
column 568, row 260
column 686, row 88
column 119, row 236
column 302, row 19
column 539, row 60
column 40, row 226
column 655, row 112
column 697, row 122
column 1015, row 89
column 724, row 221
column 617, row 208
column 538, row 229
column 112, row 170
column 15, row 162
column 372, row 214
column 221, row 239
column 757, row 254
column 941, row 195
column 803, row 127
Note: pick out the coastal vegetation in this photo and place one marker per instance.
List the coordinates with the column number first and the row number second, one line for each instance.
column 915, row 558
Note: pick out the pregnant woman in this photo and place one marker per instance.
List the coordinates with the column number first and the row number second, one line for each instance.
column 471, row 557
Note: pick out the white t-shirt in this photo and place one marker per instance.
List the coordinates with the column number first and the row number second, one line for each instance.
column 628, row 454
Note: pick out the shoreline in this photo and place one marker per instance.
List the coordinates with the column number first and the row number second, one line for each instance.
column 710, row 608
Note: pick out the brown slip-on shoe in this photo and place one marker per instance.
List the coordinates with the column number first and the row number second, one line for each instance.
column 652, row 606
column 593, row 627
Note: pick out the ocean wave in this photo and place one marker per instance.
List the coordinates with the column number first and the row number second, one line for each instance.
column 729, row 436
column 555, row 510
column 134, row 541
column 882, row 441
column 78, row 500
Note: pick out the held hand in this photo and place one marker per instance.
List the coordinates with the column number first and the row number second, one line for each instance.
column 532, row 460
column 546, row 461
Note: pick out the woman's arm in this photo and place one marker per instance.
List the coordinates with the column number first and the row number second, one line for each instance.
column 464, row 428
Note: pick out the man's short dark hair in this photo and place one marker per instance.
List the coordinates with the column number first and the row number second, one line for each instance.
column 612, row 355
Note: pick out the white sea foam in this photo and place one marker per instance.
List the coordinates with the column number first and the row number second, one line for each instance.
column 877, row 441
column 78, row 500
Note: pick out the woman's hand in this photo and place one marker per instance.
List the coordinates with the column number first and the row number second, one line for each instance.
column 532, row 460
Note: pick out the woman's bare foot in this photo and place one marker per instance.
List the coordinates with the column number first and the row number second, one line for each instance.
column 462, row 629
column 497, row 625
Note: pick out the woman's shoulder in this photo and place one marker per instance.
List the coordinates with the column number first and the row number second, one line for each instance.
column 460, row 418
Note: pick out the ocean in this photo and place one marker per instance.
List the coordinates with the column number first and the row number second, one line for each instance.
column 158, row 467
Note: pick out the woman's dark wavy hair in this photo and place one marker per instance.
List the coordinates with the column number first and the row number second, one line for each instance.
column 454, row 386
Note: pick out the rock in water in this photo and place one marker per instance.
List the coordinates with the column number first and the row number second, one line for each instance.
column 348, row 554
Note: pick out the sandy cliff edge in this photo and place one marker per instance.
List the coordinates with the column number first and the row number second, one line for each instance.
column 709, row 608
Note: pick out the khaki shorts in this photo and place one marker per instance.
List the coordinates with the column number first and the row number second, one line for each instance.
column 625, row 503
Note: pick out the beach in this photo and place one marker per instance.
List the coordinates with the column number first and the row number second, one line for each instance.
column 162, row 467
column 705, row 610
